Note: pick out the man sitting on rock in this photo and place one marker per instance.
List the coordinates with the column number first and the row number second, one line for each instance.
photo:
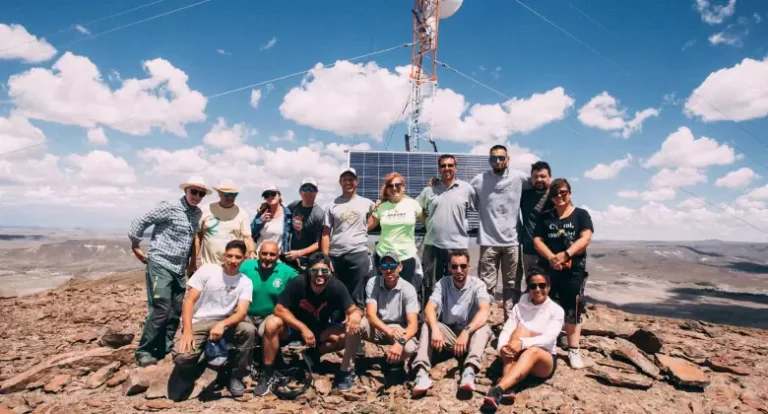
column 304, row 311
column 215, row 307
column 269, row 277
column 456, row 318
column 392, row 316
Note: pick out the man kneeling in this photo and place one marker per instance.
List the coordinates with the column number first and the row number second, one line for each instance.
column 392, row 316
column 215, row 306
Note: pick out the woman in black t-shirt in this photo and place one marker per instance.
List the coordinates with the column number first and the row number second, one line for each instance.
column 561, row 238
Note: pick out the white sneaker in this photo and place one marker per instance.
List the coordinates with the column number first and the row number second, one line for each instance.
column 574, row 359
column 467, row 380
column 421, row 383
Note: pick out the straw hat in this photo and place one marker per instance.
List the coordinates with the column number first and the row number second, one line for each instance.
column 227, row 186
column 195, row 181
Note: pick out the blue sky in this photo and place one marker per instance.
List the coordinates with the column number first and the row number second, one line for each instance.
column 650, row 50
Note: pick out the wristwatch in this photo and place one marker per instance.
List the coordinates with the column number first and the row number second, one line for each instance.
column 467, row 329
column 567, row 255
column 401, row 341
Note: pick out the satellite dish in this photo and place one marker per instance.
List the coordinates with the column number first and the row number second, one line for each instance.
column 449, row 7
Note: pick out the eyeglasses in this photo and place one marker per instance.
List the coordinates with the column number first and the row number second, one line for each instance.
column 389, row 266
column 534, row 286
column 463, row 266
column 196, row 192
column 498, row 158
column 447, row 165
column 308, row 189
column 395, row 185
column 320, row 270
column 269, row 194
column 232, row 195
column 561, row 193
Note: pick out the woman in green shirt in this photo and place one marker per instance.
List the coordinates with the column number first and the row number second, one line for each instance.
column 397, row 215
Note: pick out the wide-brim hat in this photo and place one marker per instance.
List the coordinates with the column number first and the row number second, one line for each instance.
column 227, row 186
column 195, row 181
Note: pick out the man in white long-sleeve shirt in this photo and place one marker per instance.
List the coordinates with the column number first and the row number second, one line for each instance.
column 527, row 342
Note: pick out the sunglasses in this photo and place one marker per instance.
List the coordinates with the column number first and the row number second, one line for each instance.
column 320, row 270
column 463, row 266
column 447, row 165
column 561, row 193
column 231, row 195
column 308, row 189
column 196, row 192
column 534, row 286
column 388, row 266
column 498, row 158
column 269, row 194
column 395, row 185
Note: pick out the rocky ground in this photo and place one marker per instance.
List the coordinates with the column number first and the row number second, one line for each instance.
column 71, row 350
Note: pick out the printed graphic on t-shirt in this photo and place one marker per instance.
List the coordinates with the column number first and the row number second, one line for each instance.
column 304, row 304
column 277, row 283
column 298, row 225
column 350, row 216
column 394, row 217
column 568, row 230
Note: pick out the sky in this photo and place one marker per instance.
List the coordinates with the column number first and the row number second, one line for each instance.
column 656, row 112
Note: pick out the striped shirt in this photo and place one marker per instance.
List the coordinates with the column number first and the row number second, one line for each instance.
column 176, row 224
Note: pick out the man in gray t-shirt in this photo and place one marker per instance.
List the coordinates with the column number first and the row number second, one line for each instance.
column 498, row 205
column 345, row 235
column 391, row 316
column 445, row 204
column 456, row 319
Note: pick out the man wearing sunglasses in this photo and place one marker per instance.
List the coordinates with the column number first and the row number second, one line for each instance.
column 306, row 225
column 456, row 318
column 498, row 205
column 222, row 222
column 306, row 307
column 392, row 316
column 175, row 224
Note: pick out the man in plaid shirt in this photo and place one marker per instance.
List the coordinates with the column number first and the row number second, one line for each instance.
column 175, row 223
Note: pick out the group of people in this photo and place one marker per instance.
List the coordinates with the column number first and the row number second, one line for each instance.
column 305, row 273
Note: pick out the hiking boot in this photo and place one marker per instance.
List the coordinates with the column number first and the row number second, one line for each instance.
column 492, row 400
column 574, row 358
column 467, row 383
column 267, row 381
column 421, row 383
column 344, row 380
column 146, row 360
column 236, row 387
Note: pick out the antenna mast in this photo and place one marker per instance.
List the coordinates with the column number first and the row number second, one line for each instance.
column 426, row 17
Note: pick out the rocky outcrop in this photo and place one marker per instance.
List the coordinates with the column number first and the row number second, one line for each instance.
column 682, row 372
column 619, row 378
column 114, row 339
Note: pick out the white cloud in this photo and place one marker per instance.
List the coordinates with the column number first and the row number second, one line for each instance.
column 661, row 194
column 17, row 43
column 689, row 44
column 732, row 35
column 738, row 93
column 682, row 149
column 223, row 52
column 746, row 202
column 16, row 132
column 714, row 13
column 222, row 136
column 82, row 29
column 605, row 172
column 30, row 170
column 96, row 136
column 496, row 73
column 255, row 97
column 520, row 158
column 286, row 137
column 680, row 177
column 760, row 193
column 691, row 203
column 737, row 179
column 757, row 18
column 74, row 93
column 602, row 112
column 270, row 44
column 101, row 167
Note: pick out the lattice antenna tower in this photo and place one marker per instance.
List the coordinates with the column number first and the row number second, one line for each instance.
column 423, row 72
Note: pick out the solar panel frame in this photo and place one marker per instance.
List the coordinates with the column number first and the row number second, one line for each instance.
column 416, row 167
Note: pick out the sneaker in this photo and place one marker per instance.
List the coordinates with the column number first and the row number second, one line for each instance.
column 467, row 380
column 492, row 400
column 574, row 359
column 395, row 375
column 267, row 380
column 146, row 360
column 236, row 387
column 421, row 383
column 344, row 380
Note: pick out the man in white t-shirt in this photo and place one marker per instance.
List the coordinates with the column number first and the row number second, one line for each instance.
column 222, row 222
column 214, row 308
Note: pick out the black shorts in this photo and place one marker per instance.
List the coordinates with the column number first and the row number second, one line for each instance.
column 567, row 290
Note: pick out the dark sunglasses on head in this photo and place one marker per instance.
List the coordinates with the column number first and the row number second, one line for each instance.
column 320, row 270
column 308, row 189
column 269, row 194
column 498, row 158
column 561, row 193
column 388, row 266
column 395, row 185
column 196, row 192
column 463, row 266
column 447, row 165
column 233, row 195
column 540, row 286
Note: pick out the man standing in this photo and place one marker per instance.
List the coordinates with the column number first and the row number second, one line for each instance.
column 533, row 203
column 221, row 223
column 345, row 236
column 175, row 225
column 456, row 318
column 307, row 225
column 445, row 205
column 498, row 205
column 391, row 316
column 306, row 307
column 269, row 277
column 214, row 309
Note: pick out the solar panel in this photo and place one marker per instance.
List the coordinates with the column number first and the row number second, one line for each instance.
column 416, row 167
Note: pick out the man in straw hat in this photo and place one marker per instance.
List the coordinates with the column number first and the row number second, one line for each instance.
column 175, row 224
column 222, row 222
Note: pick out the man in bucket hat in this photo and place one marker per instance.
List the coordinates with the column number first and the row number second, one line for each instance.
column 222, row 222
column 176, row 223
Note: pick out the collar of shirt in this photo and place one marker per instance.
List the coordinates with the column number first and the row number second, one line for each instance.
column 453, row 284
column 398, row 286
column 184, row 203
column 505, row 174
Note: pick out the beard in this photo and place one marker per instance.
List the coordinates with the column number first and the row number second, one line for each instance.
column 540, row 187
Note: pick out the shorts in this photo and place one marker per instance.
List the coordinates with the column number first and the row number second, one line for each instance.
column 541, row 380
column 567, row 289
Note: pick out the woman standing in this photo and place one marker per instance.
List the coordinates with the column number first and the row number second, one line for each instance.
column 561, row 239
column 272, row 222
column 397, row 215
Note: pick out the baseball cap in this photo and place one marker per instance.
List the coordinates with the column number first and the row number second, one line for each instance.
column 349, row 170
column 390, row 255
column 308, row 181
column 271, row 187
column 216, row 353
